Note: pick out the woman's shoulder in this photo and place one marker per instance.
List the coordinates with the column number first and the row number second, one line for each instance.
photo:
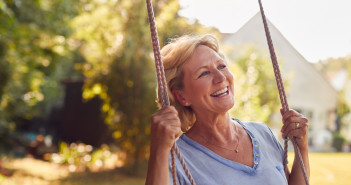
column 253, row 125
column 256, row 128
column 257, row 125
column 263, row 131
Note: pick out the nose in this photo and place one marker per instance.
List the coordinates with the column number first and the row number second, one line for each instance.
column 219, row 77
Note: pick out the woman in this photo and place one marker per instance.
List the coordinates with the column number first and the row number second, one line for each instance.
column 216, row 148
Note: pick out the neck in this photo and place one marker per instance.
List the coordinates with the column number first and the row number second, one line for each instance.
column 218, row 128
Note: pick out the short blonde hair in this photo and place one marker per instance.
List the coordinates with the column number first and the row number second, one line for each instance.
column 174, row 55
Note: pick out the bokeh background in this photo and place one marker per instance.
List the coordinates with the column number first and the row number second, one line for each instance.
column 78, row 84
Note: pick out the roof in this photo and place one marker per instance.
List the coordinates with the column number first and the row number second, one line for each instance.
column 252, row 32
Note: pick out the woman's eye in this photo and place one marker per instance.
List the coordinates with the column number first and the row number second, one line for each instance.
column 222, row 66
column 204, row 74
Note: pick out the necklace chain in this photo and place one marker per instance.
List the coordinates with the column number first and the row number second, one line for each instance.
column 237, row 138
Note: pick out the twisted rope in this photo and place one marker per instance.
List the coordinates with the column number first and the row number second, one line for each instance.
column 162, row 85
column 282, row 96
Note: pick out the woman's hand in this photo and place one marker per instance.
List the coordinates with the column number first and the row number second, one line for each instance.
column 165, row 129
column 295, row 125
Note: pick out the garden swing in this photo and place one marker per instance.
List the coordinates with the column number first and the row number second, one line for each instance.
column 162, row 85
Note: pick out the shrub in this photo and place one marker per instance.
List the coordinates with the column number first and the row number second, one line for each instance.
column 338, row 141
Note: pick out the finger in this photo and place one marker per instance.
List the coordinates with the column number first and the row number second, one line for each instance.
column 164, row 110
column 298, row 133
column 286, row 116
column 163, row 115
column 282, row 111
column 293, row 121
column 290, row 113
column 167, row 127
column 292, row 126
column 171, row 120
column 292, row 129
column 176, row 130
column 168, row 116
column 169, row 109
column 172, row 131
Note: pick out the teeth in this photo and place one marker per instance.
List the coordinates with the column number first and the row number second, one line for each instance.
column 220, row 92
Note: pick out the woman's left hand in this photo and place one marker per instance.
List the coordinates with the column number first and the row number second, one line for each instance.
column 295, row 125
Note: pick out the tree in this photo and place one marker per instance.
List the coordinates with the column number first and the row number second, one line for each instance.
column 115, row 40
column 256, row 94
column 330, row 68
column 34, row 57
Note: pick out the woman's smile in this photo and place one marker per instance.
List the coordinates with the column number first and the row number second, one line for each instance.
column 220, row 93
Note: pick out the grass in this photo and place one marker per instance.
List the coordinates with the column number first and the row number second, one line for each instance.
column 30, row 171
column 326, row 168
column 329, row 168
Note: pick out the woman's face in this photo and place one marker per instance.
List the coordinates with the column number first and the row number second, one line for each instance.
column 208, row 83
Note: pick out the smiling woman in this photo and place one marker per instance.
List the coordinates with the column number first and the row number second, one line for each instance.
column 174, row 57
column 216, row 148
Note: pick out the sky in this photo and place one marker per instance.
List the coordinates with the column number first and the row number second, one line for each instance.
column 318, row 29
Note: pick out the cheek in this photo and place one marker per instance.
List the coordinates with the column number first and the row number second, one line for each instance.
column 198, row 88
column 230, row 77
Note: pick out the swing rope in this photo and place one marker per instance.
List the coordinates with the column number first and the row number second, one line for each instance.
column 162, row 85
column 282, row 96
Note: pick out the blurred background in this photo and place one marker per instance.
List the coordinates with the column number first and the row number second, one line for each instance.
column 78, row 85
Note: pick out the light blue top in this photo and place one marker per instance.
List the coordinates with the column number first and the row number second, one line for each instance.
column 208, row 168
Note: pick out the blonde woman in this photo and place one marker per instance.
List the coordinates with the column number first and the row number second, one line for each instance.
column 217, row 148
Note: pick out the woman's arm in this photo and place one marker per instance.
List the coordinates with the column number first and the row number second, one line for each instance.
column 165, row 128
column 158, row 171
column 296, row 125
column 296, row 175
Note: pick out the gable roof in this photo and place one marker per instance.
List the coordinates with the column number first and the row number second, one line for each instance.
column 252, row 32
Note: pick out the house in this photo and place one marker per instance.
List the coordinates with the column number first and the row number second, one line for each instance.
column 309, row 93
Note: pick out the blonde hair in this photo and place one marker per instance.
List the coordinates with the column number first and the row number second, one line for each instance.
column 174, row 55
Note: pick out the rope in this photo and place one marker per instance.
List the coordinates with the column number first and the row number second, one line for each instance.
column 165, row 99
column 162, row 85
column 282, row 96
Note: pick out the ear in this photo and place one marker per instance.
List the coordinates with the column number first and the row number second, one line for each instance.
column 180, row 97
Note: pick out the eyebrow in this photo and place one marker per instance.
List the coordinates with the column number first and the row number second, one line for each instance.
column 205, row 66
column 200, row 69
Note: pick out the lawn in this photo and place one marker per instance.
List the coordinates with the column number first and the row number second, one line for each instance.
column 329, row 168
column 326, row 168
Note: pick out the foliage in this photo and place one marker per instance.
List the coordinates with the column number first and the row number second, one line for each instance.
column 35, row 56
column 338, row 141
column 331, row 67
column 81, row 157
column 109, row 43
column 256, row 95
column 343, row 108
column 44, row 41
column 115, row 41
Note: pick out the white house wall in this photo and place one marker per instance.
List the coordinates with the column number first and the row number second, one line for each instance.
column 309, row 90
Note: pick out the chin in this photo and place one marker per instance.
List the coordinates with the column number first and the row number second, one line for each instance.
column 229, row 107
column 225, row 107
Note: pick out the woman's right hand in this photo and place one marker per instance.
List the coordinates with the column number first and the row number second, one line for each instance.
column 165, row 129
